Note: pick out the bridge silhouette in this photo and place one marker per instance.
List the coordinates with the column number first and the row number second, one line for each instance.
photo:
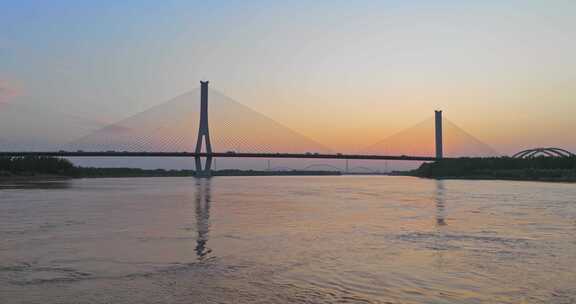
column 204, row 151
column 547, row 152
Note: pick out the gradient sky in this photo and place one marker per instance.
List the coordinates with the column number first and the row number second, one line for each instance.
column 345, row 73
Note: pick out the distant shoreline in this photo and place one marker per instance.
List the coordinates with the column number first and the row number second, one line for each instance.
column 546, row 180
column 37, row 177
column 113, row 173
column 551, row 169
column 42, row 177
column 544, row 169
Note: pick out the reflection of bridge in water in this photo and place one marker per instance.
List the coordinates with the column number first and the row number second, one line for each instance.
column 440, row 223
column 203, row 200
column 202, row 208
column 440, row 203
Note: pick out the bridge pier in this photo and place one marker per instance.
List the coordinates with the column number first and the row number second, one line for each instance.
column 203, row 134
column 206, row 170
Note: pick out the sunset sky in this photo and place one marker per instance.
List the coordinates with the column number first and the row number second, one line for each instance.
column 345, row 73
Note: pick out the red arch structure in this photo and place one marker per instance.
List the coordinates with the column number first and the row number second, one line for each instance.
column 547, row 152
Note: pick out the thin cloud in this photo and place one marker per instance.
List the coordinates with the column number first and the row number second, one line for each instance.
column 8, row 90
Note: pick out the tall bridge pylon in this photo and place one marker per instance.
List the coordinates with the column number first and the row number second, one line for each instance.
column 203, row 134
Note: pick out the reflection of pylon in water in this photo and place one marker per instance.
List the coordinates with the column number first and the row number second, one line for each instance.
column 440, row 211
column 439, row 224
column 202, row 207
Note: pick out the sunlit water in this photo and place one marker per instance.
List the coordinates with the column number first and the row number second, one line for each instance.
column 339, row 239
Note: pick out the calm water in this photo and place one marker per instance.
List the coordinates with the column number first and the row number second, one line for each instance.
column 287, row 240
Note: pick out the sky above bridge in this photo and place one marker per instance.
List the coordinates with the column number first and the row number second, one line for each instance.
column 344, row 73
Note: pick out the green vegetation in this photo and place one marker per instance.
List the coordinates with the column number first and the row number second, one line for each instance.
column 539, row 168
column 135, row 172
column 126, row 172
column 235, row 172
column 35, row 165
column 41, row 166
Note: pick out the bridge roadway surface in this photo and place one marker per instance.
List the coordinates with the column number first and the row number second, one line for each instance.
column 218, row 154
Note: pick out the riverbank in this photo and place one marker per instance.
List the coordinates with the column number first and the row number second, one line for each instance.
column 39, row 177
column 155, row 173
column 27, row 168
column 526, row 179
column 135, row 172
column 544, row 169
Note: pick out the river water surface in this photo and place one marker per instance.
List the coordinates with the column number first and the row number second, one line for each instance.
column 333, row 239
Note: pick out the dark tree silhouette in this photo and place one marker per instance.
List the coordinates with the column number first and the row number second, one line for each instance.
column 562, row 168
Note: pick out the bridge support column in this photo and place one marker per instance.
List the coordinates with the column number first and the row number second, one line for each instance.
column 203, row 134
column 438, row 127
column 205, row 171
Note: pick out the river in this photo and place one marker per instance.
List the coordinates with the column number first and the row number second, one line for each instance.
column 330, row 239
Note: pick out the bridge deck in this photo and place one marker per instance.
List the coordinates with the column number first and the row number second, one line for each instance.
column 217, row 154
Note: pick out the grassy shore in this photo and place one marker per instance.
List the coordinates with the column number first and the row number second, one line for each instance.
column 46, row 168
column 131, row 172
column 502, row 168
column 505, row 168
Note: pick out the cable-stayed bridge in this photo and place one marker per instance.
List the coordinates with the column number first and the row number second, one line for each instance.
column 167, row 130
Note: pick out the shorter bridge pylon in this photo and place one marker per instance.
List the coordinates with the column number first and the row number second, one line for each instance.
column 438, row 129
